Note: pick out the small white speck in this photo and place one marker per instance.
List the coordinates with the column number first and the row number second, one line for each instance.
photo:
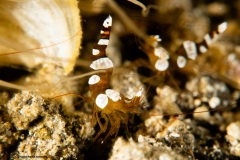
column 93, row 79
column 102, row 63
column 95, row 52
column 181, row 61
column 102, row 100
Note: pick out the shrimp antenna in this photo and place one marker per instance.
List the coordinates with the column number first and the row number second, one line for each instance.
column 178, row 114
column 38, row 48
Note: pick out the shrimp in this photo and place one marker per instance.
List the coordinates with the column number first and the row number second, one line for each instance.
column 112, row 105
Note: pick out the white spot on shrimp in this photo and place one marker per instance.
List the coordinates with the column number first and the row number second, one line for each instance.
column 161, row 64
column 102, row 63
column 161, row 53
column 222, row 27
column 191, row 49
column 181, row 61
column 95, row 52
column 203, row 49
column 108, row 22
column 102, row 101
column 113, row 95
column 208, row 39
column 103, row 42
column 93, row 79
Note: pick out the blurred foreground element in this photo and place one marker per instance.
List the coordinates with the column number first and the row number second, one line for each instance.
column 30, row 30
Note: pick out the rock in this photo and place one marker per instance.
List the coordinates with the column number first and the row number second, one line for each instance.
column 233, row 136
column 24, row 108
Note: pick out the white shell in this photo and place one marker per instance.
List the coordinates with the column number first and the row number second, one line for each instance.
column 181, row 61
column 222, row 27
column 108, row 22
column 93, row 79
column 191, row 49
column 102, row 100
column 95, row 52
column 113, row 95
column 161, row 64
column 102, row 63
column 161, row 53
column 103, row 42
